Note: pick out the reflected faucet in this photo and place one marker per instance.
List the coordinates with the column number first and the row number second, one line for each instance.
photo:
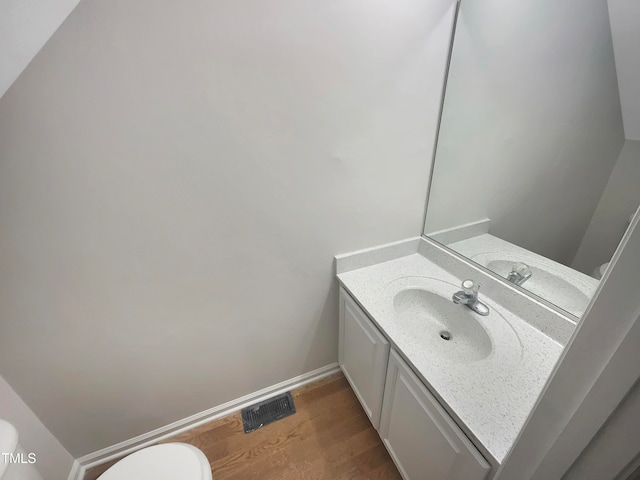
column 469, row 296
column 520, row 273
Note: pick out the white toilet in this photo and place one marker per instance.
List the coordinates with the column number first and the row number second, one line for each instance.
column 169, row 461
column 14, row 461
column 598, row 272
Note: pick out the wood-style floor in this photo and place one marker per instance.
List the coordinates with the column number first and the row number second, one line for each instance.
column 328, row 438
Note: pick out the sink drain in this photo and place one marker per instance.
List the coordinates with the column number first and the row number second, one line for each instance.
column 445, row 335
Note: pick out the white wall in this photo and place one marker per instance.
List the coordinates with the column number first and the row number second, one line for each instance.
column 619, row 201
column 175, row 181
column 615, row 445
column 52, row 460
column 25, row 26
column 625, row 30
column 595, row 372
column 532, row 124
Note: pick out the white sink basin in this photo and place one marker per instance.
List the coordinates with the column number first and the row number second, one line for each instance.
column 453, row 333
column 557, row 284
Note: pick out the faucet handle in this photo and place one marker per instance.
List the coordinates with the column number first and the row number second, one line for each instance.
column 521, row 268
column 470, row 287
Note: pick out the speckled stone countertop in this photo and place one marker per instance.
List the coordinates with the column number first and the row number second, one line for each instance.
column 489, row 398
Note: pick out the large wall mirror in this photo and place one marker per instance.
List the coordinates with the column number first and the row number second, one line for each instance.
column 533, row 178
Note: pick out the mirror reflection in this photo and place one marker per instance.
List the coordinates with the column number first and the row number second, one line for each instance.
column 532, row 146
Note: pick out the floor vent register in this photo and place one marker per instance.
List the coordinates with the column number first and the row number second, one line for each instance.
column 266, row 412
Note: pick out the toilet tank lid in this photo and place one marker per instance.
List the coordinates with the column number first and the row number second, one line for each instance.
column 8, row 443
column 168, row 461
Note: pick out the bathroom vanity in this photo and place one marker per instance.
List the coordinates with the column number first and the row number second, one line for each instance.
column 447, row 389
column 519, row 199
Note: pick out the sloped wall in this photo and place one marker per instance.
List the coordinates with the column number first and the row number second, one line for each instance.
column 175, row 181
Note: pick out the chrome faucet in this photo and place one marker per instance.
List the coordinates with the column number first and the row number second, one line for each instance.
column 520, row 273
column 469, row 296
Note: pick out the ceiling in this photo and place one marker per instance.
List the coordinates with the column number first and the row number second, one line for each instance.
column 25, row 26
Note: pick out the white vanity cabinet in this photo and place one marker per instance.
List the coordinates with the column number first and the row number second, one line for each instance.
column 363, row 354
column 422, row 439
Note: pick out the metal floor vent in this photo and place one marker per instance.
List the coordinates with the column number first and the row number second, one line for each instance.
column 264, row 413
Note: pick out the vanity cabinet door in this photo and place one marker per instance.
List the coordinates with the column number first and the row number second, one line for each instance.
column 422, row 439
column 363, row 355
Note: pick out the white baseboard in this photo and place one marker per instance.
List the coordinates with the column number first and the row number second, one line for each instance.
column 128, row 446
